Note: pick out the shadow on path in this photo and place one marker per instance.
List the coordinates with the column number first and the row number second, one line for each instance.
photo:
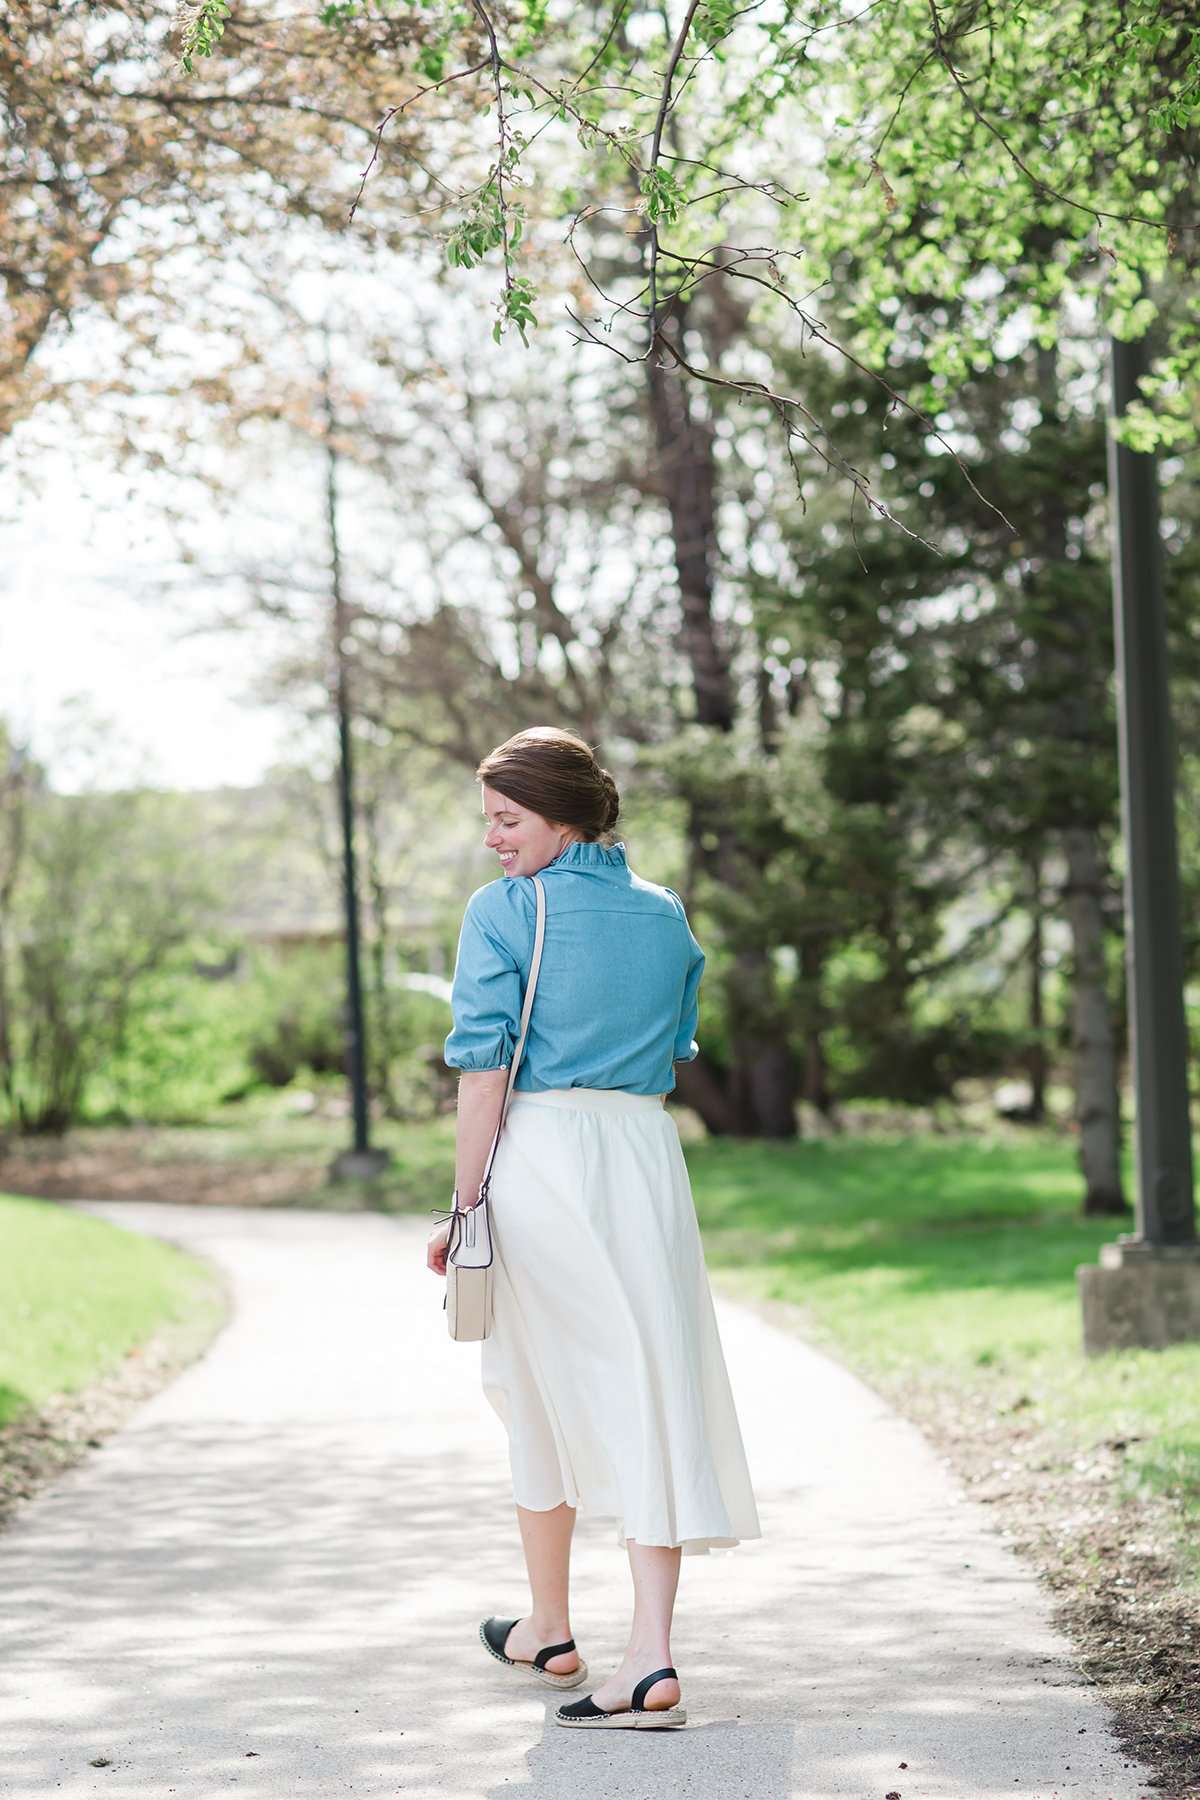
column 253, row 1588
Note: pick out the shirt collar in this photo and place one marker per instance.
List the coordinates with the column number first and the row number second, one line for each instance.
column 581, row 855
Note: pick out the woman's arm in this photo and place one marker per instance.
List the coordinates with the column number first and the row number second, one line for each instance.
column 480, row 1097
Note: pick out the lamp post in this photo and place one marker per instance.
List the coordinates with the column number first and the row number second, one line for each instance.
column 1146, row 1290
column 360, row 1161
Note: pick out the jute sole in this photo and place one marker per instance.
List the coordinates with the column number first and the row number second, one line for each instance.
column 572, row 1680
column 628, row 1721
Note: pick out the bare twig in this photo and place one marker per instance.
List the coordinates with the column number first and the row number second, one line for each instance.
column 618, row 15
column 924, row 63
column 395, row 111
column 664, row 106
column 772, row 189
column 817, row 331
column 496, row 62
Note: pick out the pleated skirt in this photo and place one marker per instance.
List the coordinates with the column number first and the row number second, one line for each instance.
column 604, row 1362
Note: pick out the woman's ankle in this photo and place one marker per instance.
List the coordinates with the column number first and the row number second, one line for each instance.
column 550, row 1630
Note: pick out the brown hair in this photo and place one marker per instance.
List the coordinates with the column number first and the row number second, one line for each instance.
column 556, row 774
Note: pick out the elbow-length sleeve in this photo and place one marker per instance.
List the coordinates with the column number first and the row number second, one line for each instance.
column 485, row 995
column 686, row 1049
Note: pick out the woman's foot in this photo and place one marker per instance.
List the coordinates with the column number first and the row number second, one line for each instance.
column 616, row 1694
column 648, row 1704
column 528, row 1637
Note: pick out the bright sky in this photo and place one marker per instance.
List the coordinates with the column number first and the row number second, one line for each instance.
column 79, row 618
column 94, row 602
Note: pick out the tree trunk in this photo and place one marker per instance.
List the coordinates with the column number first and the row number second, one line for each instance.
column 1037, row 999
column 1075, row 699
column 768, row 1090
column 816, row 1087
column 382, row 1046
column 684, row 441
column 8, row 1065
column 763, row 1084
column 14, row 795
column 762, row 1088
column 698, row 1085
column 1097, row 1108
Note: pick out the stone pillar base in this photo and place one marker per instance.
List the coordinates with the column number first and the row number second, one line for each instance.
column 1140, row 1296
column 358, row 1165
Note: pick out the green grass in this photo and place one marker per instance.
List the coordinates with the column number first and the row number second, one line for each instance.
column 77, row 1293
column 939, row 1267
column 940, row 1264
column 949, row 1265
column 945, row 1265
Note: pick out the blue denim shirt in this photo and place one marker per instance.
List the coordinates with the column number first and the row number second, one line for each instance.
column 616, row 1002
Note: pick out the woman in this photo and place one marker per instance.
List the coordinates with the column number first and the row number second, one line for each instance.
column 604, row 1362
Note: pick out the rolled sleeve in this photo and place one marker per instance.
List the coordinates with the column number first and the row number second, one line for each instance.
column 485, row 996
column 686, row 1048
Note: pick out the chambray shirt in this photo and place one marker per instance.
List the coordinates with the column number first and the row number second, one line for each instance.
column 616, row 1000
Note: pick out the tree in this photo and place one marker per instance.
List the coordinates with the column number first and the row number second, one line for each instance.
column 673, row 177
column 129, row 191
column 21, row 780
column 1005, row 647
column 982, row 129
column 106, row 896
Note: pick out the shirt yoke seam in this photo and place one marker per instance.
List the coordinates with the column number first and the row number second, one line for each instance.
column 529, row 905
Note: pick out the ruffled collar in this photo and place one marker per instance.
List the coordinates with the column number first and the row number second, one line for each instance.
column 580, row 855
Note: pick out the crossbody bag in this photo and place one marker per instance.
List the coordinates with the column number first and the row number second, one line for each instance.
column 469, row 1249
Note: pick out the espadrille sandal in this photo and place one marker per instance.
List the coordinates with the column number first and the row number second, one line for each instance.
column 636, row 1717
column 493, row 1634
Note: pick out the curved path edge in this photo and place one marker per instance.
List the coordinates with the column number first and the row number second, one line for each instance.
column 269, row 1581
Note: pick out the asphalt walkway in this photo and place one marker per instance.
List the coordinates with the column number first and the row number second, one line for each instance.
column 271, row 1580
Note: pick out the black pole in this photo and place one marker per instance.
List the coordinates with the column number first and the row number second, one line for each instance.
column 356, row 1062
column 361, row 1160
column 1158, row 1028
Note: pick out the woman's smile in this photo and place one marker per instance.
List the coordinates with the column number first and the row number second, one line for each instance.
column 541, row 839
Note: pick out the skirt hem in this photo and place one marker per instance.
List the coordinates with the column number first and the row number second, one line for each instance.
column 698, row 1544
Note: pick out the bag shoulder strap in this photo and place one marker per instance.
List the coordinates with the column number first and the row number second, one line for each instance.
column 539, row 934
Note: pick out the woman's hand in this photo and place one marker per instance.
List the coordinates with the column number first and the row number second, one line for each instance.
column 435, row 1252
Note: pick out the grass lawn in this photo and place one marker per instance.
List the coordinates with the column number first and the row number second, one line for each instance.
column 77, row 1294
column 941, row 1268
column 932, row 1265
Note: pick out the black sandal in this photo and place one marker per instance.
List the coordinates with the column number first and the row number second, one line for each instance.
column 493, row 1634
column 636, row 1717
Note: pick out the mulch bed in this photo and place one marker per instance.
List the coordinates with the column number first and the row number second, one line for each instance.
column 119, row 1168
column 1117, row 1570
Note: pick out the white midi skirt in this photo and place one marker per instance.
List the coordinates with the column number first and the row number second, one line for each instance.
column 604, row 1362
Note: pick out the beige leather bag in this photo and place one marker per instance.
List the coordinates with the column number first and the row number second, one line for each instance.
column 469, row 1251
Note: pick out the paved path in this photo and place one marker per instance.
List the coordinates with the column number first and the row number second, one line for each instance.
column 269, row 1582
